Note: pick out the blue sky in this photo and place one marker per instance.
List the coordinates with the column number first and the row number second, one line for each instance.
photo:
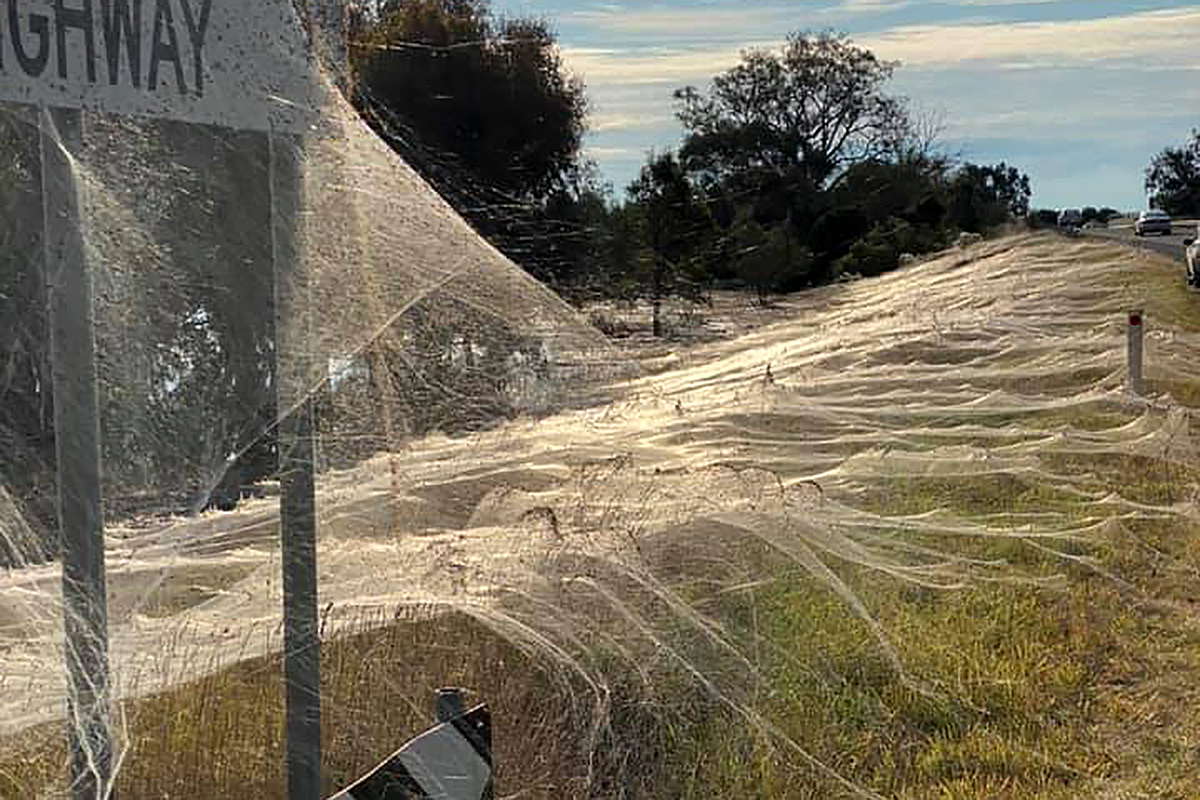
column 1078, row 94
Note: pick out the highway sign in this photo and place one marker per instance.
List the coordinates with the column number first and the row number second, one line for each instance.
column 233, row 63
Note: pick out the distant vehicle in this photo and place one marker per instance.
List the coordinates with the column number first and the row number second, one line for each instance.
column 1153, row 222
column 1070, row 218
column 1193, row 258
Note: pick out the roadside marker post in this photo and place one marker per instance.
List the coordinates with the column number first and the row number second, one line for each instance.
column 1136, row 338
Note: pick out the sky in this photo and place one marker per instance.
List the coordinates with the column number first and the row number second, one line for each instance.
column 1078, row 94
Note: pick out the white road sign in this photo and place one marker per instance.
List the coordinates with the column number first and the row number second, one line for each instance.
column 235, row 63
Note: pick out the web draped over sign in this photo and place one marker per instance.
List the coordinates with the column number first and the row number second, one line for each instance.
column 581, row 533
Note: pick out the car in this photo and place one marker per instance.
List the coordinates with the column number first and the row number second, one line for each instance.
column 1153, row 221
column 1070, row 218
column 1193, row 258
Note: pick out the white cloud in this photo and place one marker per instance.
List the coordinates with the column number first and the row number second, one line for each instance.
column 1160, row 39
column 860, row 6
column 634, row 117
column 641, row 66
column 674, row 23
column 614, row 152
column 1152, row 38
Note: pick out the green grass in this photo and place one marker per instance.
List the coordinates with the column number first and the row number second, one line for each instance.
column 970, row 496
column 1036, row 694
column 1085, row 691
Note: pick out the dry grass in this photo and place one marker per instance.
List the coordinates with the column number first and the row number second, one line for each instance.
column 222, row 736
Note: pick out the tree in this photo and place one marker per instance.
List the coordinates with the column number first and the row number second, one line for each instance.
column 797, row 139
column 676, row 223
column 482, row 108
column 494, row 95
column 805, row 114
column 1173, row 179
column 1042, row 218
column 983, row 197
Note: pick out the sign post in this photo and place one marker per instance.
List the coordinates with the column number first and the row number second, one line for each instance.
column 77, row 454
column 297, row 430
column 297, row 505
column 1136, row 336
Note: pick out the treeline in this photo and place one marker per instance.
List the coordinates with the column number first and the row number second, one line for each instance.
column 1048, row 217
column 797, row 166
column 1173, row 179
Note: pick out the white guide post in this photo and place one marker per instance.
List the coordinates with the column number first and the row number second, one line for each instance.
column 1136, row 335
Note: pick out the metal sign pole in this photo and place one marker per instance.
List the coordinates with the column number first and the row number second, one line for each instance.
column 297, row 450
column 298, row 520
column 77, row 451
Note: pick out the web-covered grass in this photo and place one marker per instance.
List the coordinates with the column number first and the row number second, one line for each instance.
column 912, row 540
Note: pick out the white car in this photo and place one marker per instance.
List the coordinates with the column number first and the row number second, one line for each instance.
column 1193, row 258
column 1153, row 222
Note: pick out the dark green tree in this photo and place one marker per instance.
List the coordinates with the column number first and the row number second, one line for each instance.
column 880, row 211
column 805, row 114
column 790, row 138
column 768, row 259
column 677, row 228
column 1173, row 179
column 485, row 110
column 982, row 197
column 1042, row 218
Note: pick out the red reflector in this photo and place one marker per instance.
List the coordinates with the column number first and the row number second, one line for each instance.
column 1135, row 320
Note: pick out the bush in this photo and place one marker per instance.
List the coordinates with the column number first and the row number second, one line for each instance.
column 880, row 250
column 1042, row 218
column 609, row 324
column 770, row 261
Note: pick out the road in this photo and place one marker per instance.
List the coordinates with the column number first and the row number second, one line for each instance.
column 1122, row 230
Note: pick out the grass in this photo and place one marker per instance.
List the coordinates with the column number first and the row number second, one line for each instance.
column 1038, row 693
column 221, row 736
column 1088, row 689
column 1028, row 680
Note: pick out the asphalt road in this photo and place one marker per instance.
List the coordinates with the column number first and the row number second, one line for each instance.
column 1122, row 230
